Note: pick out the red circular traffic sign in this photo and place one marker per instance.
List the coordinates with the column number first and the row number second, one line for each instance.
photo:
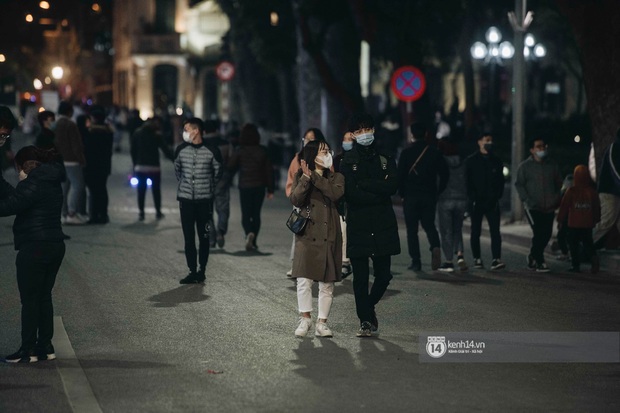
column 408, row 83
column 225, row 71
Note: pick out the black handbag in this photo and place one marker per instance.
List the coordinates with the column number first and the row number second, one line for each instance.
column 296, row 222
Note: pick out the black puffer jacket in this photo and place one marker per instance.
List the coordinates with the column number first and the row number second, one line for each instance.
column 36, row 202
column 370, row 182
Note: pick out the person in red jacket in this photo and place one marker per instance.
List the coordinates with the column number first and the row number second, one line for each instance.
column 581, row 209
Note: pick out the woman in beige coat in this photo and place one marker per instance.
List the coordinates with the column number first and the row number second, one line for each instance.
column 318, row 249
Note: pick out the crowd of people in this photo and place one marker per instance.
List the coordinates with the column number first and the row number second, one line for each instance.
column 346, row 198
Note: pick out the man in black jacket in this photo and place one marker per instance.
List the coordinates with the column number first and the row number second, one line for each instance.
column 372, row 230
column 198, row 169
column 422, row 175
column 485, row 187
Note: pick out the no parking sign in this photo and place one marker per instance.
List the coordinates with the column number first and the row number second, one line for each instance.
column 408, row 83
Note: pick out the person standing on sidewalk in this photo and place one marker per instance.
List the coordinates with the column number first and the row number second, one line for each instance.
column 98, row 142
column 539, row 186
column 213, row 138
column 146, row 142
column 70, row 145
column 318, row 249
column 422, row 175
column 36, row 203
column 485, row 187
column 255, row 175
column 451, row 208
column 580, row 210
column 372, row 230
column 198, row 169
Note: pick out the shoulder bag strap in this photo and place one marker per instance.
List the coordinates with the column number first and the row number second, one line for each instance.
column 417, row 160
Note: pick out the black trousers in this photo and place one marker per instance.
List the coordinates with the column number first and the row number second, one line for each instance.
column 542, row 228
column 97, row 185
column 195, row 217
column 251, row 205
column 576, row 238
column 37, row 264
column 365, row 302
column 420, row 210
column 155, row 187
column 493, row 217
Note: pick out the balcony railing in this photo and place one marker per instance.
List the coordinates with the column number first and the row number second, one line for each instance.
column 156, row 44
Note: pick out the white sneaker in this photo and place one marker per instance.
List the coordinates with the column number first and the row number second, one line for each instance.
column 304, row 325
column 74, row 220
column 322, row 330
column 289, row 273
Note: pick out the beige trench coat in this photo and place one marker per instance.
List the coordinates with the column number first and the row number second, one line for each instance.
column 318, row 250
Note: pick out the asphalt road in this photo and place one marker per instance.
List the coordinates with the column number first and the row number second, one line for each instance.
column 144, row 343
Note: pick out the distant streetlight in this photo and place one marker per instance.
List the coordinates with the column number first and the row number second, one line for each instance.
column 44, row 5
column 96, row 7
column 38, row 85
column 57, row 72
column 274, row 18
column 47, row 80
column 2, row 58
column 533, row 49
column 492, row 53
column 29, row 18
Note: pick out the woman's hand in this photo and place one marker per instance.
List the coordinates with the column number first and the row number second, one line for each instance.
column 305, row 169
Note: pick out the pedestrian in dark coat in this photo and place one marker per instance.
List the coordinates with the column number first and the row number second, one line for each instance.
column 318, row 249
column 98, row 142
column 36, row 203
column 372, row 230
column 255, row 176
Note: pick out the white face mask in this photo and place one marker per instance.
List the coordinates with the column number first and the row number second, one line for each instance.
column 186, row 137
column 22, row 175
column 365, row 139
column 326, row 161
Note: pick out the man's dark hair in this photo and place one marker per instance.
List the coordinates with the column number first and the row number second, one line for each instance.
column 42, row 117
column 310, row 152
column 196, row 122
column 98, row 114
column 484, row 134
column 360, row 121
column 7, row 119
column 418, row 130
column 211, row 125
column 532, row 141
column 65, row 108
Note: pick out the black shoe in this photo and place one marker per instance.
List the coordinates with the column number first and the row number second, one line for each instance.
column 192, row 278
column 531, row 263
column 141, row 216
column 446, row 267
column 45, row 353
column 542, row 267
column 160, row 216
column 478, row 263
column 22, row 356
column 574, row 269
column 200, row 276
column 220, row 239
column 497, row 264
column 415, row 266
column 374, row 323
column 365, row 329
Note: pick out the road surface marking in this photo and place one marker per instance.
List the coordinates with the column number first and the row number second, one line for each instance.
column 77, row 387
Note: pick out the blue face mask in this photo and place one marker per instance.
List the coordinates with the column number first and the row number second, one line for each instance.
column 347, row 146
column 541, row 154
column 365, row 139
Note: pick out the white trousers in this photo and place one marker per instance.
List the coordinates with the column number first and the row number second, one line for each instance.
column 304, row 296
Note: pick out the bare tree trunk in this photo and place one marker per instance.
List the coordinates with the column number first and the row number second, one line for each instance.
column 596, row 29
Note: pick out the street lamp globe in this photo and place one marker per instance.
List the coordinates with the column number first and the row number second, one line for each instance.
column 479, row 50
column 540, row 51
column 506, row 50
column 493, row 35
column 530, row 41
column 57, row 72
column 38, row 85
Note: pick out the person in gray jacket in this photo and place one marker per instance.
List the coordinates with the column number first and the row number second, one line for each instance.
column 198, row 168
column 451, row 208
column 539, row 186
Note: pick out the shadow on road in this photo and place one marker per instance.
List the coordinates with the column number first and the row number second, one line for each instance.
column 147, row 228
column 120, row 364
column 192, row 293
column 457, row 278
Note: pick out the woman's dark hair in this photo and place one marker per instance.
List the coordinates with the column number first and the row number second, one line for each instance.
column 249, row 135
column 29, row 157
column 310, row 152
column 318, row 135
column 7, row 119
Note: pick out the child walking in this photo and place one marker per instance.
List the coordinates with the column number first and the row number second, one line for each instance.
column 580, row 210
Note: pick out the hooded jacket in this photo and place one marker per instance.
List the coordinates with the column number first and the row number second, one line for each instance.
column 580, row 203
column 36, row 203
